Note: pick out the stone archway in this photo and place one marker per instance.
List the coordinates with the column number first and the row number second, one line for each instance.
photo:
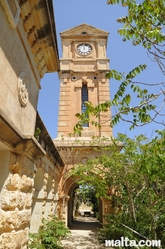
column 70, row 205
column 75, row 151
column 66, row 200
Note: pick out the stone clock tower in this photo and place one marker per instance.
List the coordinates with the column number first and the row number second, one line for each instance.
column 82, row 78
column 82, row 75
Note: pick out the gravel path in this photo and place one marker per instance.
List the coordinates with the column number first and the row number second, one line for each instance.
column 83, row 235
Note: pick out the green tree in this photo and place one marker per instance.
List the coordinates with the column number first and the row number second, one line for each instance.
column 143, row 25
column 134, row 180
column 87, row 194
column 49, row 234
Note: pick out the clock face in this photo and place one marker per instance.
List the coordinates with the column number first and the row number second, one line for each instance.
column 84, row 49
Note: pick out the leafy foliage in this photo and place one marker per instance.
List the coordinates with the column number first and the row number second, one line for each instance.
column 49, row 235
column 134, row 180
column 143, row 25
column 37, row 133
column 87, row 194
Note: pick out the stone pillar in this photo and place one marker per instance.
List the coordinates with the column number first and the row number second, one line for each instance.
column 16, row 202
column 55, row 189
column 63, row 208
column 106, row 208
column 38, row 200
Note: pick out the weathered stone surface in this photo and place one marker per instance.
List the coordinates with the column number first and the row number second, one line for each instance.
column 12, row 200
column 15, row 167
column 26, row 183
column 26, row 54
column 28, row 201
column 27, row 167
column 14, row 240
column 14, row 220
column 16, row 182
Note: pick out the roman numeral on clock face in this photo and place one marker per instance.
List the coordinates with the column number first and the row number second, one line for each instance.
column 84, row 49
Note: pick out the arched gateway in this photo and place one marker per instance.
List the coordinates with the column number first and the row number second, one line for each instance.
column 82, row 78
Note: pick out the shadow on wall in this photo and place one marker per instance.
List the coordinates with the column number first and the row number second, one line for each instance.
column 4, row 169
column 37, row 201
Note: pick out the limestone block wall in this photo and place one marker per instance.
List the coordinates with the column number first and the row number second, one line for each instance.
column 70, row 102
column 28, row 193
column 27, row 52
column 15, row 200
column 19, row 77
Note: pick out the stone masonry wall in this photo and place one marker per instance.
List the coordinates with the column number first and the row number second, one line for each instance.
column 15, row 61
column 16, row 203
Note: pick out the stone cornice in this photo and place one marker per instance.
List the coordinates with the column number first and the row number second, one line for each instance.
column 82, row 142
column 28, row 145
column 39, row 24
column 84, row 38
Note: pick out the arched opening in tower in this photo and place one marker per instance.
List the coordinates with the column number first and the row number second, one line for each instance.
column 84, row 208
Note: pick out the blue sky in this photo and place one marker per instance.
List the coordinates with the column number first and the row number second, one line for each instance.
column 123, row 57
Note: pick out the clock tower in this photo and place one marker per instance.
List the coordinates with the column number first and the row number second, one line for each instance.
column 83, row 67
column 82, row 78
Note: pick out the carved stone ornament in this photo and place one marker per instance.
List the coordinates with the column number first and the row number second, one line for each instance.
column 84, row 160
column 22, row 90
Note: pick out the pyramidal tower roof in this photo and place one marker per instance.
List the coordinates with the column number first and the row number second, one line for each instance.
column 84, row 29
